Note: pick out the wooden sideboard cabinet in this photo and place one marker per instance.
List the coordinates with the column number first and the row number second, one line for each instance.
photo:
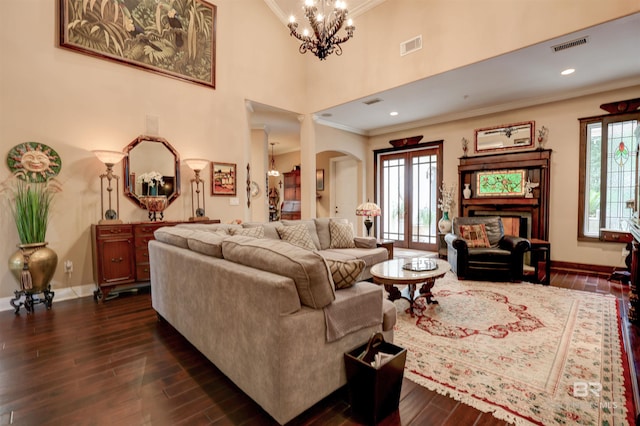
column 121, row 255
column 113, row 257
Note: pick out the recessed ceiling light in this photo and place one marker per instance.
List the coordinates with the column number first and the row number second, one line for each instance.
column 568, row 71
column 393, row 113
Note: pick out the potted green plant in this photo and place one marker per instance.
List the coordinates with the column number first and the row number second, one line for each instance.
column 30, row 202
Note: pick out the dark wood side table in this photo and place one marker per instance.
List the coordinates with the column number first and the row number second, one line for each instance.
column 388, row 244
column 541, row 253
column 443, row 250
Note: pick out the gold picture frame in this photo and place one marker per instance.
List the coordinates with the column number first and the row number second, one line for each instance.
column 223, row 178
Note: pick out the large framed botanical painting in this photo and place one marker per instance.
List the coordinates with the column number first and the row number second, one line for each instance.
column 171, row 37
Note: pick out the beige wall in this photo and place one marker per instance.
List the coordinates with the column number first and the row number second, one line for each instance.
column 561, row 118
column 76, row 103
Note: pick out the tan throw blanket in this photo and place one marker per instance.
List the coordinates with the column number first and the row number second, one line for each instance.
column 356, row 307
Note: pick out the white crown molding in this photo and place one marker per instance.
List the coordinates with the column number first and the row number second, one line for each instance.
column 340, row 126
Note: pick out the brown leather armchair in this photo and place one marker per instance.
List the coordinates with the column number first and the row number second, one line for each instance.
column 502, row 260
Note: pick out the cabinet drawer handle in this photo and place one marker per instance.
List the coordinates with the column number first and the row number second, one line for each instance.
column 118, row 260
column 115, row 231
column 145, row 254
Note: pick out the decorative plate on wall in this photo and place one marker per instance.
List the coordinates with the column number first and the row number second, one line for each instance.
column 34, row 161
column 255, row 189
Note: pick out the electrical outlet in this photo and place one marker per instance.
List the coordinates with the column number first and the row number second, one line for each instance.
column 68, row 266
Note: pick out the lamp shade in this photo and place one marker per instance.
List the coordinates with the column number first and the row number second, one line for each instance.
column 109, row 157
column 196, row 163
column 368, row 209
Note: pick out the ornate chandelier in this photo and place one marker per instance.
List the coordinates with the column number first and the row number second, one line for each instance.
column 324, row 40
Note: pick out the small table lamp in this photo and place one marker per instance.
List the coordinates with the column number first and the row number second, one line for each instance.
column 368, row 209
column 197, row 164
column 109, row 158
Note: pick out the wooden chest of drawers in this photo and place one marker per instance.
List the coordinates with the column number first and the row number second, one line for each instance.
column 121, row 254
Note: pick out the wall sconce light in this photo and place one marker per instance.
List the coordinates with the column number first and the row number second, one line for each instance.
column 109, row 158
column 197, row 211
column 368, row 209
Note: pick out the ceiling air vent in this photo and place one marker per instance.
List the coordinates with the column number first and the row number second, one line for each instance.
column 372, row 101
column 569, row 44
column 412, row 45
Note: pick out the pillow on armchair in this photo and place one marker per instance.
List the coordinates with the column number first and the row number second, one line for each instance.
column 475, row 235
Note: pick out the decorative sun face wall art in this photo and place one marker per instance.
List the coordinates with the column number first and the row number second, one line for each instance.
column 34, row 161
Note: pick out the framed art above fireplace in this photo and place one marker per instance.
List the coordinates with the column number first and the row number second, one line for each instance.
column 505, row 137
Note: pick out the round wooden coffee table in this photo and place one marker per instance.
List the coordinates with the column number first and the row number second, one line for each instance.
column 391, row 273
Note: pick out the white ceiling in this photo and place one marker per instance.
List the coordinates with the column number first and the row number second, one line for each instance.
column 529, row 76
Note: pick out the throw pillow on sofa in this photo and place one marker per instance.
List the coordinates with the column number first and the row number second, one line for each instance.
column 345, row 273
column 297, row 235
column 341, row 235
column 256, row 232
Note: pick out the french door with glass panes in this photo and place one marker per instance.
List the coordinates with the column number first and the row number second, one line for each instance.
column 409, row 197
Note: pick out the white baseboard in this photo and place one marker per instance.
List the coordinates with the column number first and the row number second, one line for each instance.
column 65, row 293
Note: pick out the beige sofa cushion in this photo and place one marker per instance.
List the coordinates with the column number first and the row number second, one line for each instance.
column 306, row 268
column 365, row 242
column 322, row 229
column 297, row 235
column 209, row 243
column 370, row 256
column 173, row 235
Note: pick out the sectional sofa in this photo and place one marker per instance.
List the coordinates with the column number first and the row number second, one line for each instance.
column 270, row 314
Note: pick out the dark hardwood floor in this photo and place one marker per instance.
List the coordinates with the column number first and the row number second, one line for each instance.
column 82, row 363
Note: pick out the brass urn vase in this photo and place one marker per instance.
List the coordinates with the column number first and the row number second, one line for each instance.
column 33, row 266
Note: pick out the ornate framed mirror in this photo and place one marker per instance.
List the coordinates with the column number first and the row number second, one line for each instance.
column 151, row 156
column 509, row 136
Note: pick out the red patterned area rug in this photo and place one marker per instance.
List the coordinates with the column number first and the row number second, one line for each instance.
column 529, row 354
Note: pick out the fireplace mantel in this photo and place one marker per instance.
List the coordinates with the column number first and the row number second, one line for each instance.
column 537, row 165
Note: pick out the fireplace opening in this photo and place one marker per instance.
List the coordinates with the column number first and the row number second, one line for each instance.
column 514, row 223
